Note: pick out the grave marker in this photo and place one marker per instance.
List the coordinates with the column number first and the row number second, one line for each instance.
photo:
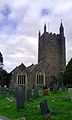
column 4, row 91
column 29, row 94
column 70, row 93
column 44, row 107
column 45, row 90
column 36, row 93
column 19, row 99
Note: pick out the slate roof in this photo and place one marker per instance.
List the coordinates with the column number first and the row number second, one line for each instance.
column 32, row 67
column 17, row 67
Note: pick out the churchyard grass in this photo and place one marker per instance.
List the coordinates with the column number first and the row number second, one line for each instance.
column 59, row 102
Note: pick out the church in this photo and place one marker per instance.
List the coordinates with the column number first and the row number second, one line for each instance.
column 51, row 61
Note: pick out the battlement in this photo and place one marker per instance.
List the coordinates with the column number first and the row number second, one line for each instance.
column 47, row 34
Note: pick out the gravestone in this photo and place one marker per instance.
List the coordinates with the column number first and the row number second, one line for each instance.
column 21, row 118
column 29, row 94
column 12, row 90
column 63, row 87
column 70, row 93
column 45, row 90
column 36, row 93
column 19, row 99
column 23, row 88
column 4, row 91
column 53, row 87
column 0, row 88
column 44, row 107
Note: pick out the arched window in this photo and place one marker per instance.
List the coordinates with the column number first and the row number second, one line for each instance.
column 40, row 78
column 21, row 78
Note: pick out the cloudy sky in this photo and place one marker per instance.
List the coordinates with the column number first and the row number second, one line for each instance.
column 20, row 22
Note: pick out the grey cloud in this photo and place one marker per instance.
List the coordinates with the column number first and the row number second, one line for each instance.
column 23, row 50
column 26, row 15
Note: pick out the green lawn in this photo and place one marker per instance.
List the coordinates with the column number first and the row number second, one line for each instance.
column 59, row 102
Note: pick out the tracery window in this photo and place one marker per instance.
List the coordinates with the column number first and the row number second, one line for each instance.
column 40, row 78
column 21, row 79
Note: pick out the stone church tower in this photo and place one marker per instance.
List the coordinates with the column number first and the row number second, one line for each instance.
column 51, row 62
column 51, row 51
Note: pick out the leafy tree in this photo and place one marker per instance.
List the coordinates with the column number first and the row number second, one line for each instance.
column 4, row 76
column 67, row 75
column 1, row 61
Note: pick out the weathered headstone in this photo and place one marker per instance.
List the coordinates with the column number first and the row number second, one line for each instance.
column 45, row 90
column 0, row 88
column 24, row 91
column 70, row 93
column 21, row 118
column 29, row 94
column 4, row 91
column 36, row 93
column 12, row 90
column 19, row 99
column 53, row 87
column 63, row 87
column 44, row 107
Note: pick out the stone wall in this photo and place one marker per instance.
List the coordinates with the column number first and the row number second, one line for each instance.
column 21, row 70
column 52, row 52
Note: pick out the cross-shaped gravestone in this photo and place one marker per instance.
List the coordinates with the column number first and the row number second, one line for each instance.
column 44, row 107
column 36, row 93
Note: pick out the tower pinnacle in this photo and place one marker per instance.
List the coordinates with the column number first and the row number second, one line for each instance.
column 45, row 28
column 39, row 33
column 61, row 29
